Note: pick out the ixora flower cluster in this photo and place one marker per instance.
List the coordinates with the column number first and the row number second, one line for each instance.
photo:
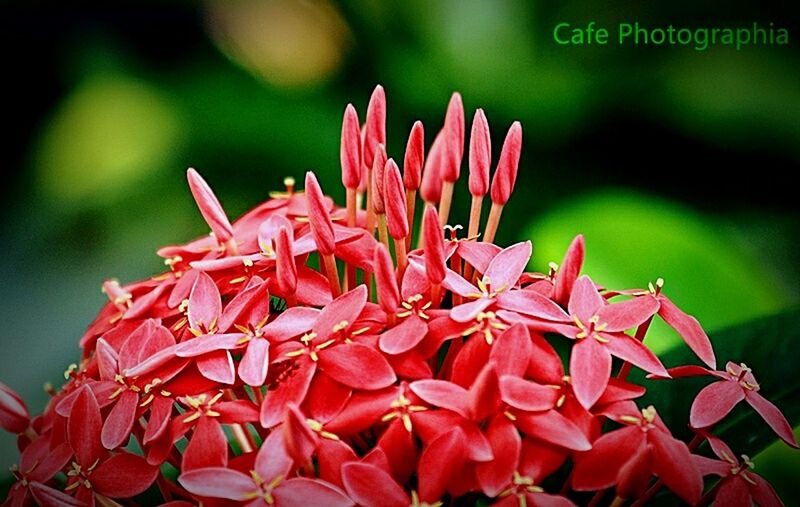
column 290, row 359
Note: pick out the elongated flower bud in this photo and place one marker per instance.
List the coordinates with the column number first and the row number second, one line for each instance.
column 386, row 282
column 454, row 138
column 414, row 157
column 285, row 267
column 378, row 166
column 434, row 246
column 350, row 153
column 431, row 187
column 480, row 155
column 506, row 174
column 375, row 128
column 321, row 225
column 209, row 206
column 395, row 201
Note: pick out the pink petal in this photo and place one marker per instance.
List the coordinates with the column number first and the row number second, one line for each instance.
column 362, row 411
column 532, row 303
column 442, row 393
column 14, row 416
column 236, row 411
column 345, row 308
column 635, row 352
column 733, row 492
column 469, row 311
column 210, row 343
column 772, row 415
column 545, row 366
column 526, row 395
column 209, row 206
column 480, row 155
column 478, row 254
column 208, row 446
column 627, row 314
column 255, row 362
column 118, row 425
column 106, row 362
column 483, row 398
column 512, row 352
column 440, row 461
column 590, row 368
column 250, row 304
column 385, row 279
column 205, row 306
column 298, row 438
column 332, row 455
column 84, row 426
column 303, row 492
column 505, row 176
column 123, row 475
column 569, row 270
column 414, row 157
column 673, row 464
column 553, row 428
column 217, row 482
column 272, row 459
column 285, row 263
column 585, row 301
column 292, row 390
column 350, row 152
column 357, row 366
column 49, row 497
column 493, row 476
column 159, row 419
column 217, row 366
column 404, row 336
column 370, row 486
column 714, row 402
column 763, row 493
column 505, row 269
column 689, row 329
column 326, row 398
column 598, row 468
column 454, row 283
column 290, row 323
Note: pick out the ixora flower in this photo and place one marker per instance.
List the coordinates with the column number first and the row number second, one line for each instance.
column 307, row 354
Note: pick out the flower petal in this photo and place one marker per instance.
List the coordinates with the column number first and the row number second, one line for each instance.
column 292, row 390
column 569, row 270
column 469, row 311
column 528, row 302
column 84, row 426
column 357, row 366
column 205, row 306
column 553, row 428
column 674, row 465
column 627, row 314
column 118, row 425
column 273, row 460
column 123, row 475
column 371, row 486
column 298, row 438
column 526, row 395
column 440, row 461
column 585, row 301
column 210, row 343
column 442, row 393
column 772, row 415
column 598, row 468
column 493, row 475
column 345, row 308
column 217, row 366
column 209, row 206
column 208, row 446
column 689, row 329
column 217, row 482
column 589, row 367
column 714, row 402
column 303, row 492
column 290, row 323
column 635, row 352
column 404, row 336
column 14, row 416
column 255, row 362
column 49, row 497
column 511, row 353
column 505, row 269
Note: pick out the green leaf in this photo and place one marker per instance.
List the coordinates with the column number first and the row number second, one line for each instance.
column 769, row 347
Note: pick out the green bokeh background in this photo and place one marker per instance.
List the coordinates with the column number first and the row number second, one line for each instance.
column 674, row 163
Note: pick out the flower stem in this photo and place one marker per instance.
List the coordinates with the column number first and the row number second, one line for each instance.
column 350, row 280
column 493, row 222
column 333, row 274
column 411, row 202
column 402, row 256
column 383, row 232
column 445, row 202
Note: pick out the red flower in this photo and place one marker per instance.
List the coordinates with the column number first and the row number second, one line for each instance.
column 735, row 384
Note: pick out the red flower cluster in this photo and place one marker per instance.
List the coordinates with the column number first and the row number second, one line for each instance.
column 291, row 358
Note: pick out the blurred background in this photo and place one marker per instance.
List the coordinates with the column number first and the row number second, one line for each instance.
column 673, row 162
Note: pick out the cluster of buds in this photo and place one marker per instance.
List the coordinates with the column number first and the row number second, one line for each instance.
column 309, row 354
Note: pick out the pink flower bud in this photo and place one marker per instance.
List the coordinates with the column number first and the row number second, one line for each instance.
column 285, row 267
column 434, row 246
column 375, row 128
column 506, row 174
column 209, row 206
column 480, row 155
column 415, row 157
column 431, row 188
column 350, row 153
column 454, row 139
column 378, row 166
column 14, row 416
column 388, row 293
column 395, row 201
column 321, row 225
